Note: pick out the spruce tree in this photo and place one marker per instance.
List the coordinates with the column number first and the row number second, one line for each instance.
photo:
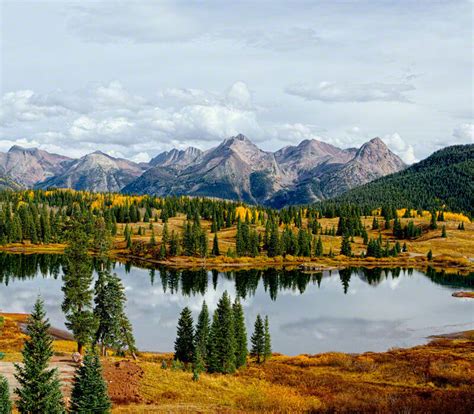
column 113, row 327
column 5, row 402
column 77, row 303
column 318, row 250
column 184, row 343
column 258, row 340
column 215, row 246
column 267, row 353
column 89, row 392
column 240, row 333
column 39, row 388
column 443, row 232
column 429, row 256
column 201, row 336
column 221, row 346
column 346, row 249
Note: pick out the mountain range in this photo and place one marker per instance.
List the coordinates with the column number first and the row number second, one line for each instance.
column 236, row 169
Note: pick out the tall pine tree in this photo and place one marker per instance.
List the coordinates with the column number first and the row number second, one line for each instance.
column 77, row 303
column 221, row 347
column 240, row 333
column 184, row 343
column 89, row 392
column 258, row 340
column 39, row 389
column 201, row 336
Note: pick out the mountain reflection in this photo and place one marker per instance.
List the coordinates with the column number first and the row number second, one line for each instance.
column 197, row 282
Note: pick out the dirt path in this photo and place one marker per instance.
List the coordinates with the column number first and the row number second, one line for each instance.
column 64, row 365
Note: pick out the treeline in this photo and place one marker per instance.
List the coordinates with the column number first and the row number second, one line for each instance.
column 443, row 180
column 47, row 217
column 220, row 344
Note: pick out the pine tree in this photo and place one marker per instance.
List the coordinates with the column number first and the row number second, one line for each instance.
column 258, row 340
column 221, row 347
column 113, row 327
column 443, row 232
column 215, row 246
column 89, row 392
column 5, row 402
column 318, row 250
column 77, row 303
column 346, row 249
column 429, row 256
column 267, row 353
column 240, row 333
column 201, row 336
column 39, row 388
column 152, row 242
column 184, row 343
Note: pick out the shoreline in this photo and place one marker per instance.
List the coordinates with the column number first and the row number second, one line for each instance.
column 64, row 335
column 305, row 264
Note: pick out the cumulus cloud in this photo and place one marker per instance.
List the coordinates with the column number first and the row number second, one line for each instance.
column 108, row 117
column 398, row 145
column 464, row 133
column 26, row 106
column 344, row 92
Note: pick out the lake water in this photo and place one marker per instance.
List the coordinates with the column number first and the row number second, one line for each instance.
column 353, row 310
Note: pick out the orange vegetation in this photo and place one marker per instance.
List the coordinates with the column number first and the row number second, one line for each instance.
column 433, row 378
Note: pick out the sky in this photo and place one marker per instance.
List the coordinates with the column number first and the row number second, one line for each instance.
column 135, row 78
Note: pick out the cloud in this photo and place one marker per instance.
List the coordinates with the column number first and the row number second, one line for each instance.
column 134, row 22
column 464, row 133
column 108, row 117
column 287, row 40
column 340, row 92
column 26, row 106
column 332, row 328
column 398, row 145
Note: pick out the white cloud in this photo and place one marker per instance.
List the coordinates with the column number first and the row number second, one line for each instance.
column 109, row 118
column 464, row 133
column 344, row 92
column 398, row 145
column 26, row 106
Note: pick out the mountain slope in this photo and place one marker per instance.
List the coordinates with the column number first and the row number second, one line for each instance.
column 27, row 166
column 177, row 159
column 444, row 178
column 6, row 183
column 95, row 172
column 237, row 169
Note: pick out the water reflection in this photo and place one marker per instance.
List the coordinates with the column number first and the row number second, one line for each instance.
column 196, row 282
column 349, row 310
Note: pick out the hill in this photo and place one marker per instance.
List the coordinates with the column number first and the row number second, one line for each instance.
column 445, row 178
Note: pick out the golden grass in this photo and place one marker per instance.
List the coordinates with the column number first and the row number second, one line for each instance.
column 216, row 391
column 12, row 338
column 455, row 252
column 437, row 377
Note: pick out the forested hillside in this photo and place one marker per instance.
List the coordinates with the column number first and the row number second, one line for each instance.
column 446, row 178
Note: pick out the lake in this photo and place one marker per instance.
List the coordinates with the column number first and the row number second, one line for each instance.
column 351, row 310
